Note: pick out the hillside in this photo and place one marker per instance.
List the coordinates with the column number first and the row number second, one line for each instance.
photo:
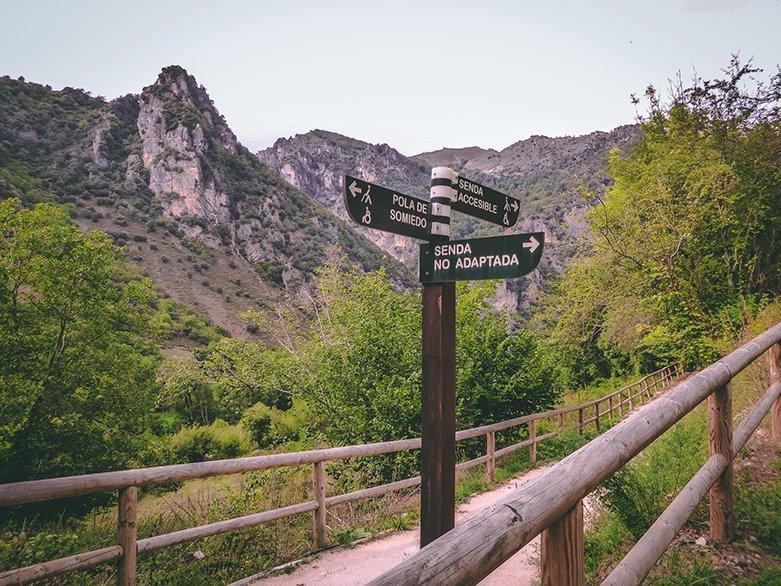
column 316, row 161
column 163, row 173
column 548, row 175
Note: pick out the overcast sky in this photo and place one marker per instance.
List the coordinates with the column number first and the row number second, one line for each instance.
column 416, row 75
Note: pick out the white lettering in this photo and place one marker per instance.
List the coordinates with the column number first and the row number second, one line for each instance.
column 407, row 218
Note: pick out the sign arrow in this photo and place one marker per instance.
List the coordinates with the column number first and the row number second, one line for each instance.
column 354, row 189
column 532, row 244
column 385, row 209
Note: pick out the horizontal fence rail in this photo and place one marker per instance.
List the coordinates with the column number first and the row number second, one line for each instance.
column 126, row 481
column 550, row 504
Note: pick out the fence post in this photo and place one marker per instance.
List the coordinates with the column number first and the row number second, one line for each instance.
column 562, row 551
column 490, row 463
column 629, row 394
column 722, row 518
column 775, row 376
column 580, row 420
column 127, row 535
column 646, row 390
column 620, row 404
column 560, row 417
column 318, row 483
column 533, row 444
column 610, row 405
column 596, row 415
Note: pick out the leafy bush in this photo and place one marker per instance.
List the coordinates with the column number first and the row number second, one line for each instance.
column 212, row 442
column 76, row 385
column 270, row 426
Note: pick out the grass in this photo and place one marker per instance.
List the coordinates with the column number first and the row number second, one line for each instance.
column 636, row 495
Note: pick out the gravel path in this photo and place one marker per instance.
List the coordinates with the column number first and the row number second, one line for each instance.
column 343, row 566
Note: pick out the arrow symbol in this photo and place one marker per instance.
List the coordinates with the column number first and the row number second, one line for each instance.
column 354, row 189
column 532, row 244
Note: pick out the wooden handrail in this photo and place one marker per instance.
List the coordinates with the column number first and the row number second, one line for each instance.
column 472, row 550
column 643, row 556
column 126, row 481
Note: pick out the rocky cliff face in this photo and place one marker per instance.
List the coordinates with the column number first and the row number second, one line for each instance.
column 173, row 145
column 316, row 162
column 548, row 175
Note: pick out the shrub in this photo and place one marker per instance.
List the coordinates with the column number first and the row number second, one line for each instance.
column 210, row 442
column 270, row 426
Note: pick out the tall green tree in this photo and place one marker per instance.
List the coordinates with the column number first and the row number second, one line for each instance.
column 76, row 375
column 358, row 367
column 686, row 241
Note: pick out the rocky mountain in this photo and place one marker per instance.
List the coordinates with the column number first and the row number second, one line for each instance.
column 548, row 175
column 163, row 173
column 315, row 163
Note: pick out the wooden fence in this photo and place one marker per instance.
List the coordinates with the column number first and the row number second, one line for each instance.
column 552, row 504
column 128, row 546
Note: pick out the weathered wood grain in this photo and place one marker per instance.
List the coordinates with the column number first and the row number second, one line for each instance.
column 193, row 533
column 633, row 569
column 126, row 535
column 490, row 463
column 72, row 563
column 561, row 550
column 722, row 516
column 318, row 487
column 438, row 413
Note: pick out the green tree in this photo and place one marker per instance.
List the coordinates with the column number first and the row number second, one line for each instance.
column 686, row 241
column 358, row 368
column 223, row 379
column 77, row 376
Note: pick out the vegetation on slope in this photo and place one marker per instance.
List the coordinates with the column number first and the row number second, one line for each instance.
column 686, row 243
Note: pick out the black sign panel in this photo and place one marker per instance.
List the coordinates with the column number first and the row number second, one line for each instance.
column 378, row 207
column 500, row 257
column 485, row 203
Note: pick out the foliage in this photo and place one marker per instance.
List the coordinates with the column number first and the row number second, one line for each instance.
column 222, row 379
column 77, row 375
column 173, row 319
column 211, row 442
column 270, row 426
column 358, row 368
column 686, row 245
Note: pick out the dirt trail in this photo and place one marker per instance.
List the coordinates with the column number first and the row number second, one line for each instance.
column 359, row 565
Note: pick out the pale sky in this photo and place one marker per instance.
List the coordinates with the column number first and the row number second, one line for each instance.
column 416, row 75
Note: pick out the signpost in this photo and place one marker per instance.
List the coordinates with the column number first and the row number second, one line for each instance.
column 485, row 203
column 442, row 262
column 377, row 207
column 500, row 257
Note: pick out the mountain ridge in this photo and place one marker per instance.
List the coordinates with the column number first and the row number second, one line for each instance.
column 548, row 175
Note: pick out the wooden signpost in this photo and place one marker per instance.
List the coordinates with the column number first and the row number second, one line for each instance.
column 442, row 262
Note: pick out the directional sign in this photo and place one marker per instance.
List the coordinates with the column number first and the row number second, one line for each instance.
column 500, row 257
column 377, row 207
column 485, row 203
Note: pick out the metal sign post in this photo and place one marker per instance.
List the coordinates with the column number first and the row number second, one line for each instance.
column 438, row 448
